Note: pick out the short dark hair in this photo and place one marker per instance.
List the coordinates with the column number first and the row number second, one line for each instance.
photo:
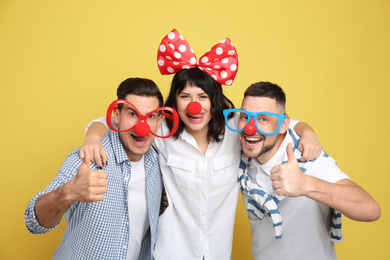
column 267, row 89
column 139, row 87
column 198, row 78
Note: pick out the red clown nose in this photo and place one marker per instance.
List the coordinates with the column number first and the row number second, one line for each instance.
column 142, row 129
column 250, row 128
column 194, row 108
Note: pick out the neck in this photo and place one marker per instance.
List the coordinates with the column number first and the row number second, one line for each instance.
column 269, row 154
column 201, row 138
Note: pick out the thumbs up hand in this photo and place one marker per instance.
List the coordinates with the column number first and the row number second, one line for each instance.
column 88, row 185
column 288, row 179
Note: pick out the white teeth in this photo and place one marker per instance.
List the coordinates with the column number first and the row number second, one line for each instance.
column 195, row 116
column 252, row 139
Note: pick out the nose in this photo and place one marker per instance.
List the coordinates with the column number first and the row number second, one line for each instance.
column 250, row 128
column 194, row 108
column 142, row 129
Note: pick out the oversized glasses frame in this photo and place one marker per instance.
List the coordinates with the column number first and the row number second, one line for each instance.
column 172, row 115
column 253, row 115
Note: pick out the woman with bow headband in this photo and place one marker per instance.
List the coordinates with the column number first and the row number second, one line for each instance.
column 200, row 162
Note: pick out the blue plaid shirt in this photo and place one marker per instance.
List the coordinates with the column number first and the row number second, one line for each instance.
column 100, row 230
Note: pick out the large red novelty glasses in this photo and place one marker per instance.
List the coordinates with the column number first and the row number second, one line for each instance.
column 132, row 118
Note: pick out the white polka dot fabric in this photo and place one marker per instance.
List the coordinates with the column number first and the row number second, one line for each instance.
column 175, row 54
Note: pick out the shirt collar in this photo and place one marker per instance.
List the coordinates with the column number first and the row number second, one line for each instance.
column 117, row 147
column 120, row 154
column 279, row 157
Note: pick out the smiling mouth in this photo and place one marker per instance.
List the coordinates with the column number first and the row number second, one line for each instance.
column 196, row 117
column 253, row 140
column 139, row 139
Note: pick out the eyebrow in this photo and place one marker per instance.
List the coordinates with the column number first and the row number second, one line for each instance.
column 187, row 93
column 132, row 109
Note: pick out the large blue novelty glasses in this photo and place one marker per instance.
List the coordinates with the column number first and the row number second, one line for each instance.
column 266, row 123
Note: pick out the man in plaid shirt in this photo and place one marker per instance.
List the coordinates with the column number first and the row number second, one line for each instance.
column 111, row 213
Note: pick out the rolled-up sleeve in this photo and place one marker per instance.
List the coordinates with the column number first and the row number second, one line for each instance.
column 32, row 223
column 66, row 173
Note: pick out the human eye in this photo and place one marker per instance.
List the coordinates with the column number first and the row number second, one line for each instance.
column 183, row 96
column 243, row 116
column 132, row 114
column 263, row 119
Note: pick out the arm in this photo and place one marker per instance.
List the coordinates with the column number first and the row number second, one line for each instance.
column 344, row 195
column 95, row 133
column 87, row 186
column 309, row 144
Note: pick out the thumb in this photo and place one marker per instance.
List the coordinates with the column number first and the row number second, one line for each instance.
column 86, row 159
column 290, row 153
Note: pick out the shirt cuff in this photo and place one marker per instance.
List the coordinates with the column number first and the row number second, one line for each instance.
column 32, row 223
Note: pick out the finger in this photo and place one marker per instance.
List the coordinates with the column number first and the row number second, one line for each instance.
column 101, row 190
column 96, row 157
column 87, row 158
column 98, row 197
column 81, row 153
column 300, row 147
column 274, row 177
column 101, row 174
column 304, row 156
column 290, row 153
column 275, row 169
column 304, row 152
column 104, row 156
column 102, row 183
column 276, row 185
column 280, row 192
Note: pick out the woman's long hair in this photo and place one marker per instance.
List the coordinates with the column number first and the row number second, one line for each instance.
column 198, row 78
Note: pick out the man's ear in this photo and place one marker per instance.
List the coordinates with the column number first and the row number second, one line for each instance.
column 284, row 126
column 116, row 115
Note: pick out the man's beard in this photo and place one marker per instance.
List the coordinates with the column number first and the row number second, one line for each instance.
column 264, row 150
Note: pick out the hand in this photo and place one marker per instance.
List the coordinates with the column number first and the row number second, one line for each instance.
column 95, row 147
column 288, row 179
column 310, row 147
column 88, row 185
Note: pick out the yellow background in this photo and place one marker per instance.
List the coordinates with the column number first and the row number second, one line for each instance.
column 61, row 62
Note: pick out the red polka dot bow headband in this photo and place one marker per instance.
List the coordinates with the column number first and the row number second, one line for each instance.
column 175, row 54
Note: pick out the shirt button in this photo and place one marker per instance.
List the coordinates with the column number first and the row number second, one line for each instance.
column 124, row 247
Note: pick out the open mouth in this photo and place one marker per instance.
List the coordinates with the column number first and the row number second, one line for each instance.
column 139, row 139
column 197, row 117
column 253, row 140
